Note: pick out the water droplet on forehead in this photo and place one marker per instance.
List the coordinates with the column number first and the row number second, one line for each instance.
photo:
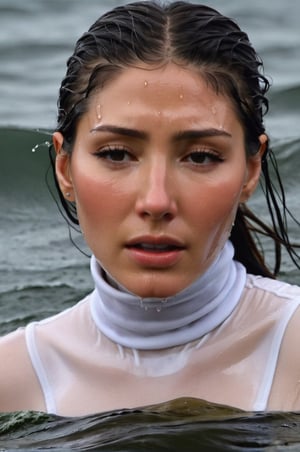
column 99, row 113
column 181, row 96
column 145, row 83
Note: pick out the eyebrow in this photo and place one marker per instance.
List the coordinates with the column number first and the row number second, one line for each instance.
column 201, row 133
column 179, row 136
column 121, row 131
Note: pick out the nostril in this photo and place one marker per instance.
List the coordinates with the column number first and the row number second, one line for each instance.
column 158, row 216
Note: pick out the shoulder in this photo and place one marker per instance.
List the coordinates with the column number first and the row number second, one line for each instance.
column 272, row 285
column 286, row 387
column 266, row 303
column 270, row 309
column 273, row 288
column 268, row 297
column 19, row 388
column 67, row 322
column 275, row 299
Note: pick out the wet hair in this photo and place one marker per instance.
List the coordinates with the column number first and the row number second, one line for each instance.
column 190, row 35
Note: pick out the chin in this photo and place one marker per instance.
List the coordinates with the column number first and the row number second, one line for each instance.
column 153, row 288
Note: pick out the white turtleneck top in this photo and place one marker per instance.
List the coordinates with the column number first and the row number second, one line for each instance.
column 153, row 324
column 220, row 339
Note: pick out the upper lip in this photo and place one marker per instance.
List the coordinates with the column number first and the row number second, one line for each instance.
column 155, row 240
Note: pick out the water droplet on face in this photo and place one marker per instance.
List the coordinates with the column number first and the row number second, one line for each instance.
column 145, row 83
column 99, row 113
column 129, row 102
column 181, row 96
column 213, row 110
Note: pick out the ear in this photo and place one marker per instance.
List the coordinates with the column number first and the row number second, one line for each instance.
column 62, row 167
column 254, row 169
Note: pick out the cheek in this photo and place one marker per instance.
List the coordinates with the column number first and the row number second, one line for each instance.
column 97, row 200
column 214, row 217
column 217, row 205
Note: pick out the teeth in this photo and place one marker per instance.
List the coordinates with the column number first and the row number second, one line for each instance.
column 158, row 246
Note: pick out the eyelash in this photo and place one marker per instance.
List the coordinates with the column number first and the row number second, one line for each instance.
column 111, row 154
column 213, row 157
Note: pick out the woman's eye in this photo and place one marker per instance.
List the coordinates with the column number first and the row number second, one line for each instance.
column 114, row 155
column 203, row 158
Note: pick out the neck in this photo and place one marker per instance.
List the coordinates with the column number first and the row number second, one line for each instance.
column 155, row 323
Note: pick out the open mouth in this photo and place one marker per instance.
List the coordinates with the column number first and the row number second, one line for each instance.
column 153, row 252
column 155, row 247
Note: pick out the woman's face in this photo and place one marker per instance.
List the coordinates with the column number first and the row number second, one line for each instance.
column 157, row 172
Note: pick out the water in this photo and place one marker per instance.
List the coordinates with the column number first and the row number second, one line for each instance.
column 182, row 425
column 41, row 272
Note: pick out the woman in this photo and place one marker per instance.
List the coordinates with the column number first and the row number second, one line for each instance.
column 159, row 144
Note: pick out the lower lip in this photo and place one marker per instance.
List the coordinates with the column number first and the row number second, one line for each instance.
column 160, row 259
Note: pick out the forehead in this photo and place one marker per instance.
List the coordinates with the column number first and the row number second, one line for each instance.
column 158, row 80
column 171, row 91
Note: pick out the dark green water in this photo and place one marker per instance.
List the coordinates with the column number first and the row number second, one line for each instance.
column 187, row 425
column 41, row 272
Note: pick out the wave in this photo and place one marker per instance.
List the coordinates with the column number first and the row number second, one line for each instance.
column 182, row 424
column 33, row 303
column 285, row 99
column 22, row 170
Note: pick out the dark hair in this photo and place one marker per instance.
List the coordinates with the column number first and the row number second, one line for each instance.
column 190, row 35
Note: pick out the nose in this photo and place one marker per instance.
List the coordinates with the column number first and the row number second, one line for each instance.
column 156, row 197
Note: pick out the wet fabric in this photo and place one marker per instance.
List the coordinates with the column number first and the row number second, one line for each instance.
column 155, row 323
column 82, row 371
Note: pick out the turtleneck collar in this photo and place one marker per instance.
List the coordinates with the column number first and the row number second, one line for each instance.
column 155, row 323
